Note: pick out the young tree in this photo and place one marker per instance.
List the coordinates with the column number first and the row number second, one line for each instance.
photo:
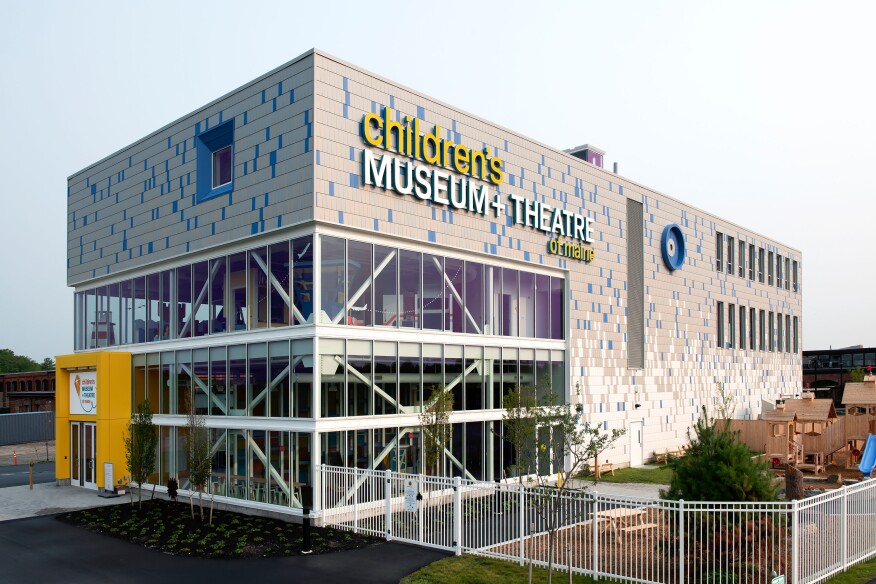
column 521, row 425
column 553, row 429
column 717, row 466
column 857, row 374
column 435, row 421
column 140, row 442
column 198, row 457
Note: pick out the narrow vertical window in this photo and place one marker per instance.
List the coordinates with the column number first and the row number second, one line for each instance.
column 730, row 248
column 780, row 337
column 772, row 332
column 778, row 271
column 751, row 262
column 787, row 333
column 731, row 330
column 795, row 276
column 770, row 268
column 761, row 329
column 719, row 252
column 720, row 318
column 752, row 325
column 760, row 254
column 741, row 259
column 787, row 273
column 796, row 336
column 742, row 327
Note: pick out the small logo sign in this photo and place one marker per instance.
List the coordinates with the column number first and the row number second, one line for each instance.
column 83, row 392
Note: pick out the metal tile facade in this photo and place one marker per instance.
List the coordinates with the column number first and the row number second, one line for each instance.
column 298, row 159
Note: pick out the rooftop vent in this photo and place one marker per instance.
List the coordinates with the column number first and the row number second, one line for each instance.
column 588, row 153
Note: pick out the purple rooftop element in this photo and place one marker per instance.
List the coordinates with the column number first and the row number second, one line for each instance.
column 588, row 153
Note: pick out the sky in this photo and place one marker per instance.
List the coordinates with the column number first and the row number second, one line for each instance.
column 762, row 113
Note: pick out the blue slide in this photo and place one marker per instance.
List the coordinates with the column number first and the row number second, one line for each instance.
column 869, row 457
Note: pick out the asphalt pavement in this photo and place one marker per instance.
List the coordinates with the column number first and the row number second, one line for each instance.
column 19, row 474
column 46, row 550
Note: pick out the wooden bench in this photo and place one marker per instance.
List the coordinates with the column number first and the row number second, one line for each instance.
column 603, row 467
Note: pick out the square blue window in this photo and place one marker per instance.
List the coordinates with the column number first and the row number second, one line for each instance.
column 215, row 161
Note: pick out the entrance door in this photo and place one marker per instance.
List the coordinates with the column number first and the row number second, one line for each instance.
column 637, row 444
column 83, row 467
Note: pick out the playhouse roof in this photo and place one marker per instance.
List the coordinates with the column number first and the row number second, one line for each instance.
column 779, row 416
column 860, row 394
column 811, row 409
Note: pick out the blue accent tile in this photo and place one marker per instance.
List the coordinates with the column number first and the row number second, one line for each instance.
column 341, row 217
column 332, row 190
column 431, row 236
column 389, row 215
column 376, row 225
column 354, row 180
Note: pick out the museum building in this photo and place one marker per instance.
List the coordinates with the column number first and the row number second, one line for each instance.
column 305, row 259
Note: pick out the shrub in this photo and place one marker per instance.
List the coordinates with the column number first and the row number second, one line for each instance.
column 718, row 467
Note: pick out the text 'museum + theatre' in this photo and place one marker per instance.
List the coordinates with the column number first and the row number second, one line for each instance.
column 307, row 257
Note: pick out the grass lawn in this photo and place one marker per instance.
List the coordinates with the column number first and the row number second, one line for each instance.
column 857, row 574
column 168, row 527
column 468, row 569
column 660, row 476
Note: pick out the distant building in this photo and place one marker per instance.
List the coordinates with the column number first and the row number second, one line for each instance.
column 827, row 371
column 31, row 391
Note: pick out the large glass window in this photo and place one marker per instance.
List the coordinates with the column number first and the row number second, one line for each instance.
column 278, row 379
column 278, row 284
column 302, row 279
column 475, row 323
column 359, row 378
column 359, row 303
column 385, row 378
column 510, row 302
column 201, row 381
column 409, row 377
column 454, row 320
column 332, row 361
column 237, row 380
column 257, row 387
column 454, row 377
column 332, row 280
column 182, row 321
column 433, row 292
column 302, row 366
column 386, row 297
column 218, row 381
column 527, row 304
column 410, row 278
column 218, row 314
column 258, row 288
column 201, row 299
column 239, row 314
column 542, row 306
column 140, row 319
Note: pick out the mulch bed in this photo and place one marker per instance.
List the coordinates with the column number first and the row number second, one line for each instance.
column 168, row 527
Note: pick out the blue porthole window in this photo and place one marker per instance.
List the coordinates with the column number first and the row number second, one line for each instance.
column 672, row 246
column 215, row 153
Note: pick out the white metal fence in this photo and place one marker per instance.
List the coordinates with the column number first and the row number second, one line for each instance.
column 626, row 538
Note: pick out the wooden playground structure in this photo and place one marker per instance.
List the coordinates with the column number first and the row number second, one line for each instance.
column 807, row 433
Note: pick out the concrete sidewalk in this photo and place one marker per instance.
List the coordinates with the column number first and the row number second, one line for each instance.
column 47, row 499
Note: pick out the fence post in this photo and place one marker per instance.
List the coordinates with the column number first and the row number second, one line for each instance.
column 844, row 537
column 681, row 541
column 421, row 512
column 594, row 518
column 795, row 536
column 457, row 516
column 323, row 477
column 388, row 495
column 355, row 500
column 520, row 521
